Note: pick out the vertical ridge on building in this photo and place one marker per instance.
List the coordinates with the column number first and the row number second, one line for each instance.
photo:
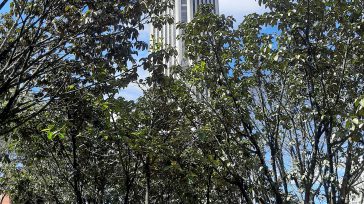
column 183, row 11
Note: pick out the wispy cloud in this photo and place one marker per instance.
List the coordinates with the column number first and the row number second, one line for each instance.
column 132, row 92
column 240, row 8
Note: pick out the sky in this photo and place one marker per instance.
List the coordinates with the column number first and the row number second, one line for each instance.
column 236, row 8
column 239, row 8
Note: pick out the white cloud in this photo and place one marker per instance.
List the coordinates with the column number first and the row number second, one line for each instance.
column 239, row 8
column 132, row 92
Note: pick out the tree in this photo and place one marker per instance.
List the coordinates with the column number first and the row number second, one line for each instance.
column 66, row 156
column 261, row 116
column 55, row 56
column 46, row 44
column 285, row 97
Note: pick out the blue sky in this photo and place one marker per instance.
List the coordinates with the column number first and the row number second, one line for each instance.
column 236, row 8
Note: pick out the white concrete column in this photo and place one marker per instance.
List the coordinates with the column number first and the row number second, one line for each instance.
column 173, row 29
column 189, row 10
column 177, row 7
column 151, row 37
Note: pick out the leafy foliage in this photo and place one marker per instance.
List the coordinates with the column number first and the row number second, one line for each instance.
column 270, row 111
column 287, row 96
column 51, row 47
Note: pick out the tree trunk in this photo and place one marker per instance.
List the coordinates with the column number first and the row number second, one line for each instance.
column 127, row 185
column 243, row 187
column 76, row 177
column 345, row 188
column 148, row 180
column 72, row 116
column 209, row 187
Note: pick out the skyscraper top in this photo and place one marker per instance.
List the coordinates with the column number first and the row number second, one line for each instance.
column 183, row 11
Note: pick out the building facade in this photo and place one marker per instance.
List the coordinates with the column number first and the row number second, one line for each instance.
column 183, row 11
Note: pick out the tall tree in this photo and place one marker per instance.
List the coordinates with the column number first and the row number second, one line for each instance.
column 285, row 96
column 268, row 112
column 48, row 44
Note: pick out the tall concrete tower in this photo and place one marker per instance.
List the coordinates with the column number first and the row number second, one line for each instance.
column 183, row 11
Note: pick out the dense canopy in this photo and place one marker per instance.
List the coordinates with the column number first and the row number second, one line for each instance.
column 268, row 111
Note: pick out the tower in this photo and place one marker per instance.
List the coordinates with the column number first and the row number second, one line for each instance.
column 183, row 11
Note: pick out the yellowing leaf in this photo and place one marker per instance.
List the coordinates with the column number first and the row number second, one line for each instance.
column 356, row 121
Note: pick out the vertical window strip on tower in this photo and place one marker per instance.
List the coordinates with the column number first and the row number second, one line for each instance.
column 193, row 7
column 196, row 6
column 184, row 11
column 196, row 3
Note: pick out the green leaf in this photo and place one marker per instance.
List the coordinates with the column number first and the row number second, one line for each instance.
column 61, row 135
column 50, row 135
column 105, row 106
column 355, row 138
column 70, row 87
column 348, row 124
column 68, row 7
